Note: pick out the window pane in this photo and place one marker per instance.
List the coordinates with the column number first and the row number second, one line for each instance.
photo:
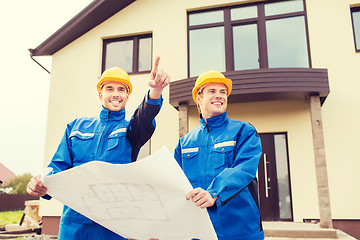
column 356, row 23
column 282, row 176
column 243, row 13
column 246, row 53
column 206, row 17
column 207, row 50
column 145, row 54
column 283, row 7
column 119, row 54
column 286, row 43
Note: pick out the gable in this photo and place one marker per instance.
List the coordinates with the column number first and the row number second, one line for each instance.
column 94, row 14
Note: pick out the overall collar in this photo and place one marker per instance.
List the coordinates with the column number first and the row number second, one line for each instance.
column 213, row 122
column 106, row 115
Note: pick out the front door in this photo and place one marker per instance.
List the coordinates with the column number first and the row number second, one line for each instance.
column 274, row 178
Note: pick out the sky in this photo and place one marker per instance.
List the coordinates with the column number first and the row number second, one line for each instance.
column 25, row 85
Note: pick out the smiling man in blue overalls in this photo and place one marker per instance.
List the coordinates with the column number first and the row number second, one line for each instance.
column 220, row 159
column 108, row 137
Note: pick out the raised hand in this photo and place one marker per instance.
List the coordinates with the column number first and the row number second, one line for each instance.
column 158, row 80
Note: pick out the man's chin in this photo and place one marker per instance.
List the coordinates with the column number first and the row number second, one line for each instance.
column 115, row 109
column 218, row 111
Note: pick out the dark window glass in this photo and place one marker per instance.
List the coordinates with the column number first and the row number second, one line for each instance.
column 241, row 13
column 355, row 12
column 286, row 43
column 212, row 53
column 120, row 54
column 145, row 47
column 277, row 8
column 246, row 52
column 132, row 54
column 283, row 178
column 206, row 17
column 250, row 36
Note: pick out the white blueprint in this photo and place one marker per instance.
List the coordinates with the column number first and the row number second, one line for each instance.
column 140, row 200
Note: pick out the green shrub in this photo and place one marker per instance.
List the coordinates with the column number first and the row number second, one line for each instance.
column 19, row 183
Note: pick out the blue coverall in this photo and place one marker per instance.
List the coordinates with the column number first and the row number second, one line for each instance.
column 222, row 157
column 109, row 138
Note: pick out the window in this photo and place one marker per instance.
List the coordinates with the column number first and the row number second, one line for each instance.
column 132, row 54
column 355, row 15
column 269, row 34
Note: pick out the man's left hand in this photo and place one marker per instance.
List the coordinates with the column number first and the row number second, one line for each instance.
column 201, row 197
column 158, row 80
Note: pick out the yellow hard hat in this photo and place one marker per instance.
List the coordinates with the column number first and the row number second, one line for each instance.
column 211, row 76
column 114, row 74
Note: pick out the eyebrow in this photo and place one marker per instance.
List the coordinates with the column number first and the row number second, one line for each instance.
column 121, row 87
column 221, row 89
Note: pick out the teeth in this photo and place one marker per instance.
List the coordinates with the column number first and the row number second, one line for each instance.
column 217, row 103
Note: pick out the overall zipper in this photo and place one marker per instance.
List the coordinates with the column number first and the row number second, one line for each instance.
column 101, row 136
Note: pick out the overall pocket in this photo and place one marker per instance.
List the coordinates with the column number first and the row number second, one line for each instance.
column 118, row 147
column 82, row 146
column 223, row 155
column 114, row 139
column 190, row 165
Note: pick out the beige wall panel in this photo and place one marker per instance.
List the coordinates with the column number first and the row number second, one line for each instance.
column 332, row 47
column 50, row 208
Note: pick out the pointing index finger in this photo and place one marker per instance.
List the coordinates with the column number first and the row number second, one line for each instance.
column 156, row 65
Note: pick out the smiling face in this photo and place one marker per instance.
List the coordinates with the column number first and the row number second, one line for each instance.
column 212, row 100
column 114, row 96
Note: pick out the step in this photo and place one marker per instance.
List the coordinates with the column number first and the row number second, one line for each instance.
column 297, row 230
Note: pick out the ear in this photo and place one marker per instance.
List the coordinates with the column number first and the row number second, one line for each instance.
column 198, row 98
column 100, row 95
column 198, row 107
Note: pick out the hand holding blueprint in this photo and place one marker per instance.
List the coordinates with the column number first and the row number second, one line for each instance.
column 140, row 200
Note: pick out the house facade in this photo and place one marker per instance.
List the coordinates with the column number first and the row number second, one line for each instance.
column 294, row 66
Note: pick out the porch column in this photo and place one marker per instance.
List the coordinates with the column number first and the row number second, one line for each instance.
column 320, row 163
column 183, row 120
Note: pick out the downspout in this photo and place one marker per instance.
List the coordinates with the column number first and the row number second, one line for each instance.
column 31, row 56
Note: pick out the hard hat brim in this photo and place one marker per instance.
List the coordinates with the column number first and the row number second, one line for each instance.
column 227, row 82
column 114, row 79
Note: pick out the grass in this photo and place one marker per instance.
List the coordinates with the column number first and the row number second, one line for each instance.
column 10, row 217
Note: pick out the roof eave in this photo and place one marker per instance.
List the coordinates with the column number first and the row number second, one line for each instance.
column 94, row 14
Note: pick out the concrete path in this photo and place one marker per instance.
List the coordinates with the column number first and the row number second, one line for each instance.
column 301, row 231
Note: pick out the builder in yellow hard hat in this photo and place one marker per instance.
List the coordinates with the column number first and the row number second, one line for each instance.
column 217, row 80
column 108, row 137
column 220, row 158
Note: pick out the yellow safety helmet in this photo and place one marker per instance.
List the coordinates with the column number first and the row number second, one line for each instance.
column 115, row 74
column 211, row 76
